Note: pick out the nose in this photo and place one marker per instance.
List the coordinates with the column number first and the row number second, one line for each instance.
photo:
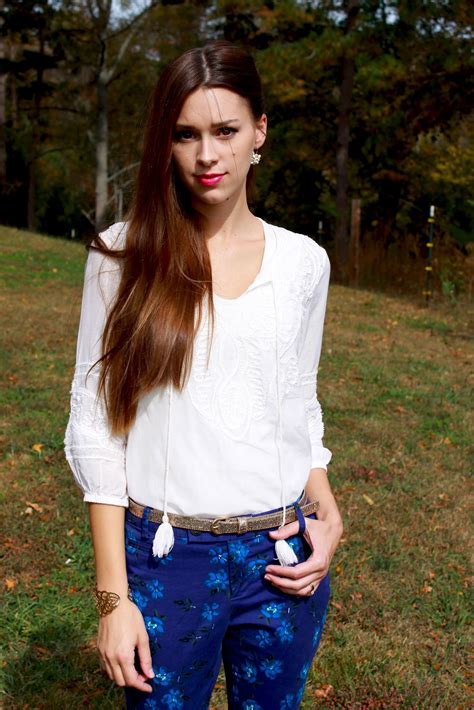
column 207, row 154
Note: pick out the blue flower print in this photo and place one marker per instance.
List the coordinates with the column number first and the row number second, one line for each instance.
column 251, row 705
column 273, row 610
column 154, row 625
column 263, row 638
column 256, row 567
column 317, row 635
column 238, row 551
column 304, row 671
column 288, row 702
column 174, row 699
column 271, row 667
column 210, row 611
column 285, row 632
column 217, row 581
column 218, row 555
column 155, row 588
column 151, row 704
column 249, row 672
column 131, row 546
column 140, row 600
column 163, row 677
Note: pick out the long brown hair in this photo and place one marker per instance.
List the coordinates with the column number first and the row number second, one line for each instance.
column 166, row 271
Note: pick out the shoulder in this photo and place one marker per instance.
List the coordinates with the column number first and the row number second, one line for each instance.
column 102, row 266
column 114, row 236
column 302, row 250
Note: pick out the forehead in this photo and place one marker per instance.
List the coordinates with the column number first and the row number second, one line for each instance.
column 207, row 106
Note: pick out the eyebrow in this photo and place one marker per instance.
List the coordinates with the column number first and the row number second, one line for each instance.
column 182, row 126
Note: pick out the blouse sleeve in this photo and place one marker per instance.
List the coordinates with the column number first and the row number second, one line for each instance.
column 309, row 353
column 96, row 458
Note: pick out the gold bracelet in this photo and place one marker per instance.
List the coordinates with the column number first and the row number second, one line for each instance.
column 106, row 602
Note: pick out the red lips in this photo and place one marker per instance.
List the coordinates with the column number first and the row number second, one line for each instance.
column 209, row 179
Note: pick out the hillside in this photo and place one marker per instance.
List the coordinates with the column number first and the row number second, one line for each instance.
column 394, row 386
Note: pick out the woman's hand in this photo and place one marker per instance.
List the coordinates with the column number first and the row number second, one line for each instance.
column 120, row 632
column 302, row 579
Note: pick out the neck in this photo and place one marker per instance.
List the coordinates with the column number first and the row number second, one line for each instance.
column 228, row 220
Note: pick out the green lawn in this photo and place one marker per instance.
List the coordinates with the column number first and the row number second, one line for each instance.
column 395, row 389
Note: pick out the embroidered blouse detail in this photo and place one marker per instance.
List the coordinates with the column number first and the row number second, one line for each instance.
column 246, row 430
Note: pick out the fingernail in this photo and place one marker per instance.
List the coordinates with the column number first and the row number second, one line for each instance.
column 267, row 576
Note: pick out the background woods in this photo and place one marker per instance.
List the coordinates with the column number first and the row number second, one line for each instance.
column 367, row 100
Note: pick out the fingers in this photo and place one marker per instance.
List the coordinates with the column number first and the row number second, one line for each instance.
column 302, row 587
column 288, row 530
column 122, row 671
column 143, row 647
column 316, row 562
column 132, row 677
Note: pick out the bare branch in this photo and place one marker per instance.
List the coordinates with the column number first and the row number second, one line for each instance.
column 88, row 216
column 123, row 48
column 123, row 170
column 135, row 20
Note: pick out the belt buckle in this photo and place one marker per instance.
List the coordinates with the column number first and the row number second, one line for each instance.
column 215, row 523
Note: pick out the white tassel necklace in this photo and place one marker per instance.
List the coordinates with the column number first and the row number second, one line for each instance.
column 164, row 537
column 284, row 552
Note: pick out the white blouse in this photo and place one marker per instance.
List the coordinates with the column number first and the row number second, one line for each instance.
column 246, row 430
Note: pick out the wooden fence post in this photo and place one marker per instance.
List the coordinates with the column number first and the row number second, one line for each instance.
column 355, row 241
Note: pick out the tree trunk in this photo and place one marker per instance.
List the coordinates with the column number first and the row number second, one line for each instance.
column 102, row 146
column 3, row 112
column 31, row 199
column 3, row 97
column 35, row 138
column 342, row 154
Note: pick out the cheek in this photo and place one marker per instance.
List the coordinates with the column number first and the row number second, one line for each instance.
column 182, row 162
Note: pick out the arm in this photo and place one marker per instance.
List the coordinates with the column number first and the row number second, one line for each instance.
column 97, row 461
column 322, row 534
column 123, row 630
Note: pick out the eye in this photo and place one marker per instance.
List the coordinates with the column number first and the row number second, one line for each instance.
column 185, row 135
column 227, row 131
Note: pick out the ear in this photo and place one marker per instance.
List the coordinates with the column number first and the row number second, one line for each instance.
column 260, row 131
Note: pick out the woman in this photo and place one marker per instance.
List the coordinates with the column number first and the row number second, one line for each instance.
column 194, row 420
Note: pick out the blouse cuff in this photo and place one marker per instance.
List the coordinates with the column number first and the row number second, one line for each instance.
column 106, row 500
column 320, row 457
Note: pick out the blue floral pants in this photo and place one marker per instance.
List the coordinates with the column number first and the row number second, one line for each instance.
column 207, row 601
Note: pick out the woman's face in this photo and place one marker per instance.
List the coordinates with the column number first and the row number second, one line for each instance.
column 214, row 138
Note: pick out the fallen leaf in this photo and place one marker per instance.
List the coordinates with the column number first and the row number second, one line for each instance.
column 10, row 584
column 70, row 532
column 368, row 499
column 323, row 692
column 426, row 589
column 28, row 511
column 35, row 506
column 42, row 651
column 37, row 447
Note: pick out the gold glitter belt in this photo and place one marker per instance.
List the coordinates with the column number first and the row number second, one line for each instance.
column 233, row 524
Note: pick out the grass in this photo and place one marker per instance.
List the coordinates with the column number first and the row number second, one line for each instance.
column 394, row 385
